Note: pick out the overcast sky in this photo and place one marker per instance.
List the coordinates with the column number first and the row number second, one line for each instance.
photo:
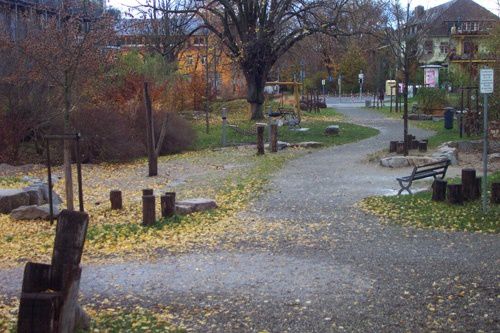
column 489, row 4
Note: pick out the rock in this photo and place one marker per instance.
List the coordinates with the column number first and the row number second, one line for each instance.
column 36, row 195
column 469, row 146
column 194, row 205
column 394, row 162
column 33, row 212
column 11, row 199
column 308, row 144
column 494, row 157
column 45, row 190
column 419, row 116
column 332, row 130
column 445, row 151
column 282, row 145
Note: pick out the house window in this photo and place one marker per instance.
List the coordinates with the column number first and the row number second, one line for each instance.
column 428, row 47
column 203, row 60
column 189, row 60
column 470, row 47
column 444, row 47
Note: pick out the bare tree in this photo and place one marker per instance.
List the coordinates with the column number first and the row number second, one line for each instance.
column 257, row 33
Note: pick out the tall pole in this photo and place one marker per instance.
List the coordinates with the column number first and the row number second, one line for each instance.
column 207, row 87
column 485, row 154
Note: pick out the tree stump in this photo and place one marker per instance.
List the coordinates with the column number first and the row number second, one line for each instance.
column 260, row 139
column 495, row 193
column 148, row 210
column 400, row 147
column 168, row 204
column 414, row 144
column 49, row 297
column 422, row 146
column 147, row 191
column 274, row 138
column 392, row 146
column 439, row 190
column 455, row 195
column 115, row 196
column 469, row 184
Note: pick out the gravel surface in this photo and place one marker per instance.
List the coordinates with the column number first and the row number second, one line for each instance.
column 353, row 274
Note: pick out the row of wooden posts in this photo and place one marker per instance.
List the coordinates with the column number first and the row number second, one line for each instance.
column 273, row 138
column 398, row 147
column 468, row 190
column 167, row 202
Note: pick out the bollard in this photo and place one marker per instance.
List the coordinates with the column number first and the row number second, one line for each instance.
column 274, row 138
column 260, row 139
column 224, row 126
column 168, row 204
column 115, row 196
column 148, row 210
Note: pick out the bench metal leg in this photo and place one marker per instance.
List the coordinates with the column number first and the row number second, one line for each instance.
column 404, row 188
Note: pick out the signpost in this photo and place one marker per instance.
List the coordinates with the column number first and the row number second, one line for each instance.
column 485, row 87
column 340, row 88
column 323, row 83
column 361, row 76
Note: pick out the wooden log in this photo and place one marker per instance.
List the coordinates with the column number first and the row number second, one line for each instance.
column 148, row 210
column 49, row 298
column 400, row 147
column 147, row 191
column 392, row 146
column 422, row 146
column 260, row 139
column 168, row 204
column 495, row 193
column 477, row 188
column 439, row 190
column 469, row 184
column 274, row 138
column 414, row 144
column 115, row 197
column 455, row 195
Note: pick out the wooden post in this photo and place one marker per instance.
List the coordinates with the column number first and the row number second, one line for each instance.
column 274, row 138
column 148, row 210
column 49, row 298
column 414, row 144
column 147, row 191
column 168, row 204
column 400, row 147
column 495, row 193
column 260, row 139
column 392, row 146
column 115, row 196
column 455, row 195
column 477, row 188
column 469, row 184
column 439, row 190
column 422, row 146
column 150, row 144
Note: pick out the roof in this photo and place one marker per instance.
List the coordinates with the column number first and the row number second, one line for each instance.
column 440, row 17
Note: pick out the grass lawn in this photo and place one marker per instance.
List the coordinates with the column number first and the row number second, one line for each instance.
column 420, row 211
column 316, row 122
column 441, row 134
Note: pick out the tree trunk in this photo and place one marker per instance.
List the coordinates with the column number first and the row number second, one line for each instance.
column 260, row 139
column 256, row 82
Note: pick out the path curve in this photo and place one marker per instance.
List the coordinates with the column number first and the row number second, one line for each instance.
column 354, row 274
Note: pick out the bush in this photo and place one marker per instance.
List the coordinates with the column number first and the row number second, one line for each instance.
column 431, row 98
column 180, row 135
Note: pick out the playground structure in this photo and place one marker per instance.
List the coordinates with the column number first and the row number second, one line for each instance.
column 287, row 116
column 312, row 102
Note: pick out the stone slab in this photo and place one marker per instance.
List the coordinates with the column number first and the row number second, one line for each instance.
column 11, row 199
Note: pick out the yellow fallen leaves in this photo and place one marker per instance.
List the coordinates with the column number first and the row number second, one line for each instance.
column 118, row 235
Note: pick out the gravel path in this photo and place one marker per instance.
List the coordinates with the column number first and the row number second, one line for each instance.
column 353, row 274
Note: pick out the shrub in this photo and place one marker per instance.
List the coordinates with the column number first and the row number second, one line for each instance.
column 431, row 98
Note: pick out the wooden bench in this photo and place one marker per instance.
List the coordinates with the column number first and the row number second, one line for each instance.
column 424, row 171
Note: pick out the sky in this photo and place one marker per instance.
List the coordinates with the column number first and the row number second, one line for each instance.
column 488, row 4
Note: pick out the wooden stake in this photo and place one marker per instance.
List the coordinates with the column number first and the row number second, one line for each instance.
column 392, row 146
column 148, row 210
column 260, row 139
column 115, row 196
column 495, row 193
column 274, row 138
column 439, row 190
column 168, row 204
column 469, row 184
column 455, row 196
column 422, row 146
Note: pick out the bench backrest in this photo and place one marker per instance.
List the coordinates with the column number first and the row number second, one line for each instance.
column 440, row 167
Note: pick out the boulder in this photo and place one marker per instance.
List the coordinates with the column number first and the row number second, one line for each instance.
column 194, row 205
column 445, row 151
column 308, row 144
column 332, row 130
column 282, row 145
column 11, row 199
column 36, row 195
column 394, row 162
column 44, row 187
column 33, row 212
column 493, row 157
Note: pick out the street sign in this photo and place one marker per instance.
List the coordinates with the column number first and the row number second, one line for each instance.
column 486, row 81
column 323, row 82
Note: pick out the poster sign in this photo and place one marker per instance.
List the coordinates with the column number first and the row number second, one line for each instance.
column 431, row 77
column 486, row 81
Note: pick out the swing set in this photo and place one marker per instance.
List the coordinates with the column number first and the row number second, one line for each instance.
column 286, row 115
